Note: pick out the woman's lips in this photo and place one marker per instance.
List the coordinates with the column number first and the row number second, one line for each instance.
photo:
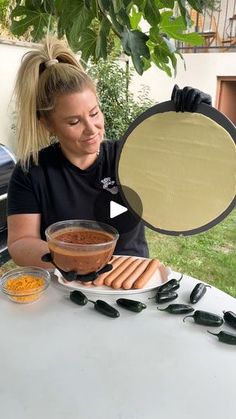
column 92, row 140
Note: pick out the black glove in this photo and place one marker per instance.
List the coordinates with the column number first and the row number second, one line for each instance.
column 188, row 98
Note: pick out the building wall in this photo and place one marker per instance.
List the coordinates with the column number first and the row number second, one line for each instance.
column 201, row 71
column 10, row 60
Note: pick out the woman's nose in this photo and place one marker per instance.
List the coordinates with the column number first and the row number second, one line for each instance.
column 89, row 127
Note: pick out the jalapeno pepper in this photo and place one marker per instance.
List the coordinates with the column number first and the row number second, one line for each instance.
column 225, row 337
column 132, row 305
column 165, row 297
column 104, row 308
column 206, row 318
column 230, row 318
column 78, row 297
column 197, row 293
column 171, row 285
column 178, row 308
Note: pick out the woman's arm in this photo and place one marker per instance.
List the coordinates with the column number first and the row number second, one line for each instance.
column 24, row 242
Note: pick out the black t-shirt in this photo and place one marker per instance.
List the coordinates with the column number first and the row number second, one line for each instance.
column 58, row 190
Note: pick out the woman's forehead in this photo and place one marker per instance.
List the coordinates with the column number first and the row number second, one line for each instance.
column 76, row 101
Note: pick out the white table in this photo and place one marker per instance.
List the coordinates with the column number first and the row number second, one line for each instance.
column 59, row 360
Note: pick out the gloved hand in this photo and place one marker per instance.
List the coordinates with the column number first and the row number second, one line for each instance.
column 188, row 98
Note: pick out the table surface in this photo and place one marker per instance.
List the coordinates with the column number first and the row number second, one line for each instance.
column 59, row 360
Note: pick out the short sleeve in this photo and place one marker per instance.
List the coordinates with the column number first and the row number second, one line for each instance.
column 21, row 197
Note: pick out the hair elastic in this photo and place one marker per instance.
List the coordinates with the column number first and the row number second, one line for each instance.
column 51, row 62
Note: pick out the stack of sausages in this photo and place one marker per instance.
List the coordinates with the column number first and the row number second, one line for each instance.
column 129, row 272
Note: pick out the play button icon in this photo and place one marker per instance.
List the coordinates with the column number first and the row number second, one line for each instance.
column 116, row 209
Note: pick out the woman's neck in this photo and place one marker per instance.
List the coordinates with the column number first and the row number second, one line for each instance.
column 82, row 162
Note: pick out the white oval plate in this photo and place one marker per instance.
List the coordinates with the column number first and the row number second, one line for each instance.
column 158, row 278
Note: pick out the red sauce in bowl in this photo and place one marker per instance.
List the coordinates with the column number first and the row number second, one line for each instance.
column 82, row 259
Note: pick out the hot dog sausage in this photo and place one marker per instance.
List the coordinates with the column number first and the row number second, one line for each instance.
column 129, row 281
column 117, row 283
column 115, row 261
column 144, row 278
column 117, row 271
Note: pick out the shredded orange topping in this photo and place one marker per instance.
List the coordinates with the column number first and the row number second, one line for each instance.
column 25, row 284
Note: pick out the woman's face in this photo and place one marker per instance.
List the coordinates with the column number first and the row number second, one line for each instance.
column 78, row 123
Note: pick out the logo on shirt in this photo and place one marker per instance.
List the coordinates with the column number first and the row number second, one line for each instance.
column 109, row 185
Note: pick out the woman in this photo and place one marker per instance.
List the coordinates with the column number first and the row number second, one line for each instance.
column 62, row 179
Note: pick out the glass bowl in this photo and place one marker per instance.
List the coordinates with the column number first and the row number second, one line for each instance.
column 81, row 246
column 25, row 285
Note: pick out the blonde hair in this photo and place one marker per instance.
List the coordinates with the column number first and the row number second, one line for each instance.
column 45, row 72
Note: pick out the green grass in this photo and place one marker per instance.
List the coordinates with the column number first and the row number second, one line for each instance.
column 209, row 256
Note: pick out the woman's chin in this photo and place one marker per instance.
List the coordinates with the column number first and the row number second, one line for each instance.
column 91, row 146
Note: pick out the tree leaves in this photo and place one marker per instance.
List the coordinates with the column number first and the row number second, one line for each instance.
column 104, row 4
column 87, row 43
column 118, row 5
column 165, row 4
column 74, row 18
column 101, row 42
column 174, row 28
column 135, row 18
column 151, row 12
column 23, row 18
column 162, row 51
column 134, row 44
column 88, row 25
column 196, row 4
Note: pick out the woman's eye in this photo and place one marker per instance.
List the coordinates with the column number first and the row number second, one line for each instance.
column 74, row 122
column 94, row 114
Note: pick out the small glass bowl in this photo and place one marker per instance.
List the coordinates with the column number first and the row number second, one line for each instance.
column 25, row 285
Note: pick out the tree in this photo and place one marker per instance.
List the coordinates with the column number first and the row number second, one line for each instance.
column 88, row 25
column 211, row 5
